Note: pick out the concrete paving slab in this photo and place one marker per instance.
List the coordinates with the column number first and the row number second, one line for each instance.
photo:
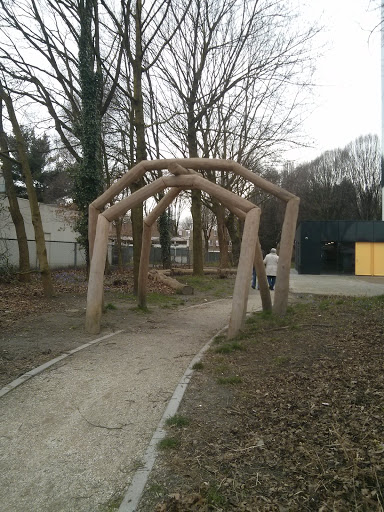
column 327, row 284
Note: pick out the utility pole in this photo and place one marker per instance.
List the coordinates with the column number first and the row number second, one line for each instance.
column 2, row 180
column 382, row 111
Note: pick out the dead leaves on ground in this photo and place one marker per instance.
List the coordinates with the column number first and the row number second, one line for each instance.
column 19, row 300
column 302, row 431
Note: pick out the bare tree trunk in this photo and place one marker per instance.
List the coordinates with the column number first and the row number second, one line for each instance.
column 221, row 233
column 206, row 243
column 234, row 234
column 34, row 205
column 141, row 148
column 198, row 258
column 17, row 218
column 89, row 180
column 118, row 225
column 137, row 231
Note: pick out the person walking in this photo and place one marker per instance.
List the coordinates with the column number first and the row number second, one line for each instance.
column 270, row 261
column 253, row 278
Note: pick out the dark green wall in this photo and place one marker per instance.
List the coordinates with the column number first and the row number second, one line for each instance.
column 310, row 236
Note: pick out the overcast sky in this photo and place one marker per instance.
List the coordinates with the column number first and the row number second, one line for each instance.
column 348, row 95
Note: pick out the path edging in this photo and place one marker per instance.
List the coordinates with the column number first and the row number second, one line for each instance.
column 135, row 490
column 39, row 369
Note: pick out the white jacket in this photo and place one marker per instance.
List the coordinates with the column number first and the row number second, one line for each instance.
column 270, row 262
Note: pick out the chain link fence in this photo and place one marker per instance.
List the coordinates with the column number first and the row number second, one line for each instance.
column 60, row 254
column 71, row 254
column 179, row 256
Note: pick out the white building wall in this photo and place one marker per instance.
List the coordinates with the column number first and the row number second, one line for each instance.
column 57, row 222
column 62, row 248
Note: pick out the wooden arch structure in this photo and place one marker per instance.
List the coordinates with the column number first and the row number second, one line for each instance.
column 183, row 176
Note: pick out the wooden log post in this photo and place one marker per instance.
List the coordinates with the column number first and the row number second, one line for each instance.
column 284, row 266
column 144, row 264
column 134, row 199
column 96, row 277
column 93, row 214
column 244, row 271
column 265, row 294
column 207, row 271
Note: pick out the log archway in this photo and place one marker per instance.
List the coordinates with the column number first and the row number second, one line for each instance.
column 185, row 177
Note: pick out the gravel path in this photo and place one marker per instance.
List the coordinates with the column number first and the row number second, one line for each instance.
column 72, row 437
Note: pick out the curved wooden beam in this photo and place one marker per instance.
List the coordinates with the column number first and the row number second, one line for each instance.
column 213, row 164
column 179, row 182
column 197, row 181
column 136, row 172
column 133, row 175
column 185, row 177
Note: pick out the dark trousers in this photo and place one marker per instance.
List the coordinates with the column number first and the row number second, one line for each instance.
column 253, row 277
column 271, row 282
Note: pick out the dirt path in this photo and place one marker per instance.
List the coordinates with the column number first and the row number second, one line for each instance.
column 72, row 437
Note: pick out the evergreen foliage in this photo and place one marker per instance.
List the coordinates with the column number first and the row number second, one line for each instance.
column 38, row 149
column 88, row 183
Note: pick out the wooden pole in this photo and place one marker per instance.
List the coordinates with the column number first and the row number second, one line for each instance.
column 285, row 256
column 96, row 277
column 265, row 294
column 244, row 271
column 93, row 214
column 162, row 205
column 130, row 177
column 197, row 181
column 144, row 265
column 134, row 199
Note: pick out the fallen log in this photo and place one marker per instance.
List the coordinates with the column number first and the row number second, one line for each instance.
column 182, row 289
column 207, row 271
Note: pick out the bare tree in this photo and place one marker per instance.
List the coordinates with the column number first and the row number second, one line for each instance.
column 16, row 216
column 141, row 28
column 224, row 48
column 363, row 165
column 224, row 70
column 34, row 205
column 208, row 223
column 68, row 68
column 187, row 223
column 341, row 184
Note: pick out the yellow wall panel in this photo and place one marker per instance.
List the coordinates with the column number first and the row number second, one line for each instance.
column 369, row 259
column 363, row 259
column 378, row 259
